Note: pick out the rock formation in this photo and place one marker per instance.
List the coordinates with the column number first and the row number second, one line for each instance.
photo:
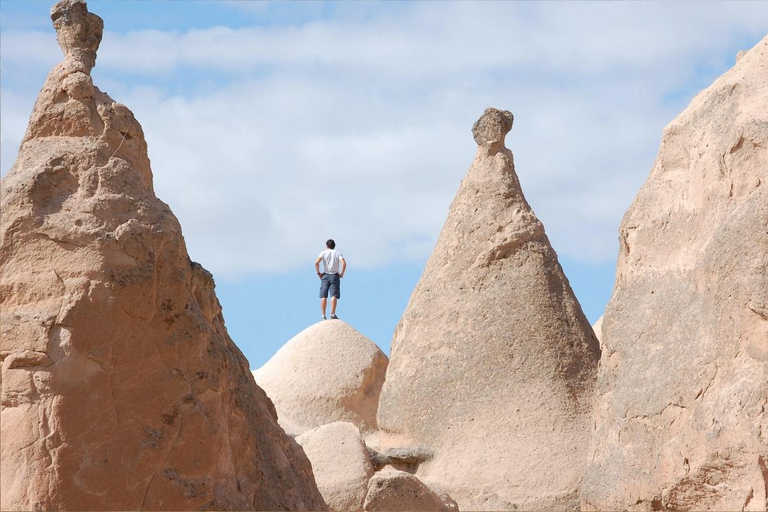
column 598, row 328
column 392, row 490
column 328, row 372
column 341, row 464
column 682, row 416
column 493, row 363
column 121, row 389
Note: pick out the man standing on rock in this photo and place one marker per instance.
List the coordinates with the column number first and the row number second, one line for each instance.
column 330, row 277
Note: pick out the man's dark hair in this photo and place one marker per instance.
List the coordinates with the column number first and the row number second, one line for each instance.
column 330, row 244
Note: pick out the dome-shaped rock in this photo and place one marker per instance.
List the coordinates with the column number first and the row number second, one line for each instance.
column 328, row 372
column 392, row 490
column 341, row 464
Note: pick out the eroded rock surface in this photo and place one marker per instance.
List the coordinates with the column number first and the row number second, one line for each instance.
column 121, row 389
column 328, row 372
column 682, row 419
column 341, row 464
column 493, row 363
column 392, row 490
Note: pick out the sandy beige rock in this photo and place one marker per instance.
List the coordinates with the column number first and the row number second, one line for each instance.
column 392, row 490
column 341, row 464
column 682, row 419
column 598, row 328
column 493, row 363
column 121, row 389
column 328, row 372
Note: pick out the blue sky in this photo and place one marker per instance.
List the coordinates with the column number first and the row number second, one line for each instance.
column 274, row 126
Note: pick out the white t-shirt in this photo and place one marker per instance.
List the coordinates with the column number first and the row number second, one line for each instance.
column 331, row 259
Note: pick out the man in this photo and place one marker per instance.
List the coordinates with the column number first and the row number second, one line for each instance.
column 330, row 276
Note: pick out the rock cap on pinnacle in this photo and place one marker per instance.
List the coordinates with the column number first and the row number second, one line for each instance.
column 492, row 127
column 78, row 31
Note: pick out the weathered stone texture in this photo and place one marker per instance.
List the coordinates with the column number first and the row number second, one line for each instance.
column 341, row 464
column 493, row 363
column 120, row 386
column 682, row 417
column 392, row 490
column 328, row 372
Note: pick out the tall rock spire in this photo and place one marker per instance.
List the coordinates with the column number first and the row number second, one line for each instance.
column 121, row 389
column 682, row 418
column 493, row 363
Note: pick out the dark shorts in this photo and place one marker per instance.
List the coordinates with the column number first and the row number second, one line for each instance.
column 330, row 283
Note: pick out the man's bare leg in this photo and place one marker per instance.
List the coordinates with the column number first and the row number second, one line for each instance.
column 333, row 306
column 323, row 304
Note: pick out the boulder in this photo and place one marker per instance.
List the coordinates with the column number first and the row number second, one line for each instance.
column 493, row 363
column 392, row 490
column 121, row 389
column 682, row 415
column 340, row 463
column 328, row 372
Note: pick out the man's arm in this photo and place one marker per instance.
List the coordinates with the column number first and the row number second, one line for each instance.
column 343, row 267
column 317, row 266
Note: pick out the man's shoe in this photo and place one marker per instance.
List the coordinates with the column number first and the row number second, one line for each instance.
column 334, row 317
column 324, row 318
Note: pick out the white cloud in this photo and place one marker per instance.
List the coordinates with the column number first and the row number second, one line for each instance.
column 267, row 140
